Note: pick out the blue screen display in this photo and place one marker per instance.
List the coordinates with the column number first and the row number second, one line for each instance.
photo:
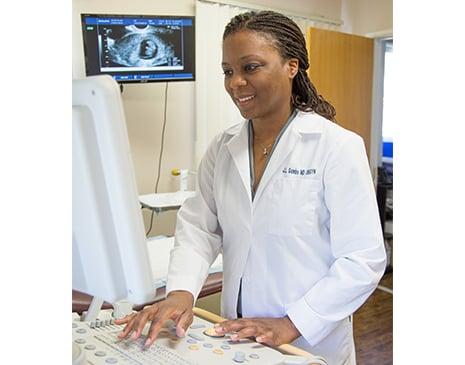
column 387, row 149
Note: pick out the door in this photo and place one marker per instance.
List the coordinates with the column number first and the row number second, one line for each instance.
column 341, row 68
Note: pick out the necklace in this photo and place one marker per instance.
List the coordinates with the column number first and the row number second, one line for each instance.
column 266, row 150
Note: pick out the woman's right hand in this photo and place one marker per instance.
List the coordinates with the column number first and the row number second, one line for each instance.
column 177, row 307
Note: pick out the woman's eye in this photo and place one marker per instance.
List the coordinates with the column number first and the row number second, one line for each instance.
column 227, row 73
column 251, row 67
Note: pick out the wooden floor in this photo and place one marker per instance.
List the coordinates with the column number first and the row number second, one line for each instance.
column 373, row 327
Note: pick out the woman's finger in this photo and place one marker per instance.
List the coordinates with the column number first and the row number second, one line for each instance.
column 268, row 338
column 183, row 322
column 133, row 321
column 128, row 328
column 245, row 333
column 232, row 326
column 125, row 319
column 155, row 327
column 139, row 324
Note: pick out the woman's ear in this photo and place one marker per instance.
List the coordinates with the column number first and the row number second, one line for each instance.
column 293, row 67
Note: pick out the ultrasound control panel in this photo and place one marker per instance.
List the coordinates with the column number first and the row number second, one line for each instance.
column 99, row 342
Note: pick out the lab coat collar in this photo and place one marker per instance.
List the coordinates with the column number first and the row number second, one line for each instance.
column 304, row 123
column 236, row 128
column 238, row 147
column 307, row 123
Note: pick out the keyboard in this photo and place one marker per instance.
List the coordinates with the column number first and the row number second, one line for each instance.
column 135, row 353
column 101, row 346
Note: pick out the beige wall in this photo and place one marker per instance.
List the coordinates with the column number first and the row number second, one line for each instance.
column 326, row 8
column 366, row 16
column 144, row 103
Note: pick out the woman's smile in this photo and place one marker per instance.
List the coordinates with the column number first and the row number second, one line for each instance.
column 244, row 101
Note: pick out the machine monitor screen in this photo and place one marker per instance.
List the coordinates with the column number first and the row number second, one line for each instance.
column 139, row 48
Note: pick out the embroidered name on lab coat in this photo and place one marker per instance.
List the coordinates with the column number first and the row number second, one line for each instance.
column 298, row 172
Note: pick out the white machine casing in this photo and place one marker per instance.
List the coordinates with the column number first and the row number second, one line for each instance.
column 110, row 258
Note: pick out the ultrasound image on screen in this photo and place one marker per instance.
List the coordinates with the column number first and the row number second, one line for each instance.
column 135, row 47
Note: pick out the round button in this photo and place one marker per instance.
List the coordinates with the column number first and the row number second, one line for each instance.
column 89, row 347
column 111, row 360
column 191, row 340
column 239, row 356
column 81, row 330
column 212, row 333
column 208, row 345
column 196, row 336
column 194, row 347
column 254, row 356
column 80, row 341
column 74, row 325
column 218, row 352
column 100, row 353
column 226, row 347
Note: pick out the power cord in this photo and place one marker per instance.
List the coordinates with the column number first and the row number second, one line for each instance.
column 160, row 156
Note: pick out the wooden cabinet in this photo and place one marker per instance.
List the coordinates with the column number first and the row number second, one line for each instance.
column 341, row 68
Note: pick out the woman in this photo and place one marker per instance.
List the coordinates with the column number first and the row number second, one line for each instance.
column 287, row 197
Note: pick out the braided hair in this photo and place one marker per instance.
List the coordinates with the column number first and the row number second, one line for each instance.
column 288, row 39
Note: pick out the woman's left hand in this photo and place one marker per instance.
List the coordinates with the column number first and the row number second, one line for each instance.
column 270, row 331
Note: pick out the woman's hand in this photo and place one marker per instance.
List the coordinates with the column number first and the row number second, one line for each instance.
column 271, row 331
column 177, row 307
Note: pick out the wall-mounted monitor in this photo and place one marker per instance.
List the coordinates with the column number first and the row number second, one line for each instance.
column 139, row 48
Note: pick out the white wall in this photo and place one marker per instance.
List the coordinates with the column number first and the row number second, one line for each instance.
column 144, row 103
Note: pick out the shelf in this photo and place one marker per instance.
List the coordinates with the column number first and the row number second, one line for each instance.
column 161, row 202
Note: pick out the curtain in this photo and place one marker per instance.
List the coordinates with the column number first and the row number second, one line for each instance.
column 215, row 111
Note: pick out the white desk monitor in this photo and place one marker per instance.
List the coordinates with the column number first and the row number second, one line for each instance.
column 110, row 258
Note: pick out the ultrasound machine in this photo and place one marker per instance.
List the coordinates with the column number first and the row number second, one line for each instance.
column 110, row 257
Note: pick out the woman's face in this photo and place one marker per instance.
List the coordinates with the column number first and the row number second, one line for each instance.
column 256, row 77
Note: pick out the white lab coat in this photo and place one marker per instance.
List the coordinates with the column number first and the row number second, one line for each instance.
column 308, row 246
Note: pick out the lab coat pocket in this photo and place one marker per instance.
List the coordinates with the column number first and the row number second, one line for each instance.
column 293, row 202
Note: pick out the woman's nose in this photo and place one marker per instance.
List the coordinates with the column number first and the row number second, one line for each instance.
column 237, row 80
